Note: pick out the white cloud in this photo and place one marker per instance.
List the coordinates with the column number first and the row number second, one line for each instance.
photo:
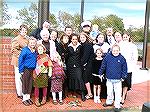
column 131, row 6
column 98, row 12
column 135, row 21
column 13, row 22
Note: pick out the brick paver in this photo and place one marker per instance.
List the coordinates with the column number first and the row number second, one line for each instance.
column 139, row 94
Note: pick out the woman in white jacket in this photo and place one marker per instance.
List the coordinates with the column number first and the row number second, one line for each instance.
column 130, row 52
column 101, row 44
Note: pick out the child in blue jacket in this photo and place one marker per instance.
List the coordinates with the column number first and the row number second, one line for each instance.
column 116, row 71
column 27, row 63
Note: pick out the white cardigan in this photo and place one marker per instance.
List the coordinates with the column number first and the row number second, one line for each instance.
column 130, row 53
column 104, row 47
column 52, row 48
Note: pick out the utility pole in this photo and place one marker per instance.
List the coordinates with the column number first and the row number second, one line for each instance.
column 81, row 14
column 43, row 11
column 146, row 29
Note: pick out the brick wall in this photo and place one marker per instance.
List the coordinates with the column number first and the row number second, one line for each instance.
column 6, row 70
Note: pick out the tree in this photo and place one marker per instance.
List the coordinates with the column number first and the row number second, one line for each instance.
column 76, row 22
column 100, row 22
column 115, row 22
column 29, row 16
column 137, row 34
column 6, row 17
column 66, row 19
column 53, row 20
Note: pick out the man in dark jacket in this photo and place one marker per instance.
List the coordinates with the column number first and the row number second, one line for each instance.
column 109, row 36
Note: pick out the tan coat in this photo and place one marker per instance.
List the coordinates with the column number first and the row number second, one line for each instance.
column 17, row 44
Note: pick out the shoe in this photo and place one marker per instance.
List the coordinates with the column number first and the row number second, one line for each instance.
column 95, row 99
column 55, row 102
column 61, row 102
column 43, row 101
column 121, row 103
column 89, row 96
column 37, row 103
column 98, row 100
column 83, row 97
column 20, row 97
column 47, row 99
column 106, row 105
column 26, row 103
column 117, row 109
column 30, row 101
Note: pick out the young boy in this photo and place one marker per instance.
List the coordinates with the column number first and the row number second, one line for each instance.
column 116, row 71
column 27, row 63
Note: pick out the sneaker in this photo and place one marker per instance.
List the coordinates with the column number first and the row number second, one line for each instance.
column 106, row 105
column 95, row 99
column 98, row 100
column 30, row 101
column 20, row 97
column 55, row 102
column 26, row 103
column 117, row 109
column 61, row 102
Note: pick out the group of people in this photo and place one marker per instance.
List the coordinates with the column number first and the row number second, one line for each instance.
column 91, row 63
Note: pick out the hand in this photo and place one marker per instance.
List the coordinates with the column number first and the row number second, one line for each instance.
column 101, row 77
column 122, row 79
column 49, row 74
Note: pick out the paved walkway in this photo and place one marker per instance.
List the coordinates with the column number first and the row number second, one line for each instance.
column 139, row 94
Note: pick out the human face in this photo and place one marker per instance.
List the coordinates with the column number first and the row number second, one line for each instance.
column 23, row 32
column 56, row 58
column 65, row 39
column 74, row 40
column 100, row 39
column 40, row 50
column 53, row 35
column 86, row 28
column 109, row 31
column 45, row 36
column 115, row 50
column 99, row 54
column 126, row 37
column 46, row 25
column 82, row 38
column 68, row 31
column 118, row 37
column 32, row 44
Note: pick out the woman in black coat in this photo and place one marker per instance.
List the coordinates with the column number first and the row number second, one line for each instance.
column 86, row 62
column 75, row 81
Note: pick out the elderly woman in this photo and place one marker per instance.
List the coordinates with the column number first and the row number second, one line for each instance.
column 36, row 33
column 49, row 44
column 17, row 44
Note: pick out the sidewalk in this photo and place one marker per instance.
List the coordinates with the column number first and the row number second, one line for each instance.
column 139, row 94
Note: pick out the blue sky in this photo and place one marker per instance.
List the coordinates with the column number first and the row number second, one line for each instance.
column 131, row 11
